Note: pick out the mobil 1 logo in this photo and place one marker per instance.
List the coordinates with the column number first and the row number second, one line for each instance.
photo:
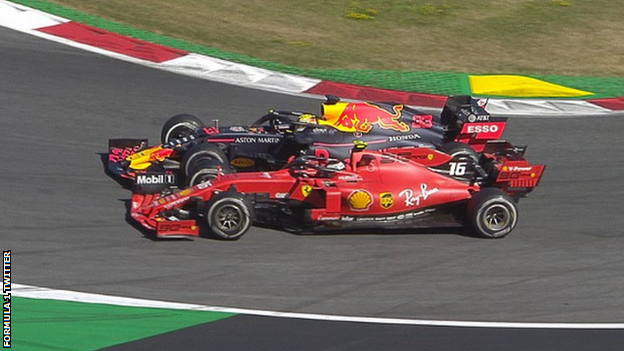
column 155, row 179
column 154, row 182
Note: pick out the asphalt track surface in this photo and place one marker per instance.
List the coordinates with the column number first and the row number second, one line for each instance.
column 63, row 218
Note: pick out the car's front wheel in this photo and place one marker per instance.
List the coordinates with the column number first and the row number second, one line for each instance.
column 180, row 126
column 229, row 215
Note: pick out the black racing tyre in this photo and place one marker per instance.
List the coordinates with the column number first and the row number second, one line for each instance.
column 492, row 213
column 459, row 150
column 204, row 170
column 203, row 152
column 180, row 126
column 228, row 215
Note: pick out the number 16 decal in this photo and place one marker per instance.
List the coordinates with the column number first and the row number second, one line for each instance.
column 458, row 168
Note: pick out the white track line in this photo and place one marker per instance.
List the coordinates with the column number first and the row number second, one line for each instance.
column 34, row 292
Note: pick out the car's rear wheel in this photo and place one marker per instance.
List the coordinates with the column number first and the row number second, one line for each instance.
column 180, row 126
column 206, row 153
column 492, row 213
column 460, row 150
column 229, row 215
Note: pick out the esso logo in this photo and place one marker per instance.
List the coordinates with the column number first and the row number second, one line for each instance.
column 483, row 129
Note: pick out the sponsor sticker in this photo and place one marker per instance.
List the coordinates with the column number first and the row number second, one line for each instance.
column 350, row 178
column 146, row 179
column 243, row 162
column 324, row 218
column 237, row 129
column 211, row 130
column 360, row 200
column 204, row 185
column 185, row 192
column 484, row 130
column 413, row 198
column 478, row 118
column 386, row 200
column 399, row 217
column 403, row 137
column 258, row 140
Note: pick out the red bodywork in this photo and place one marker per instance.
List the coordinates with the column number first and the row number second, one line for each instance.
column 371, row 184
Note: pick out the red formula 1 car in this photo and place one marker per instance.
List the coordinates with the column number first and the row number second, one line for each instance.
column 371, row 189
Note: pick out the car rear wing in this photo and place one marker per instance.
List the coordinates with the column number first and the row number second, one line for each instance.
column 468, row 122
column 518, row 178
column 512, row 172
column 503, row 165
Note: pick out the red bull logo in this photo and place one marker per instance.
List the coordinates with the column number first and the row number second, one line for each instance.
column 361, row 117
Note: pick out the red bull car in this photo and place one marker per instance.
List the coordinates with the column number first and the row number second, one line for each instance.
column 368, row 189
column 191, row 152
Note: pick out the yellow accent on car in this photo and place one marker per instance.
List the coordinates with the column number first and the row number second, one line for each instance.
column 141, row 160
column 332, row 114
column 386, row 200
column 360, row 144
column 243, row 162
column 360, row 200
column 306, row 190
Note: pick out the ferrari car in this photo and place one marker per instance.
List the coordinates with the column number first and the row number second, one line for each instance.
column 191, row 152
column 369, row 189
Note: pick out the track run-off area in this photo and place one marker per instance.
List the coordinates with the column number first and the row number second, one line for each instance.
column 65, row 221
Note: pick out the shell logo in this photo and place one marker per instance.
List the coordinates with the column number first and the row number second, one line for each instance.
column 360, row 200
column 242, row 162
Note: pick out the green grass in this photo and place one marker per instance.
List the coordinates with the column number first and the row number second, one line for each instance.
column 556, row 37
column 72, row 326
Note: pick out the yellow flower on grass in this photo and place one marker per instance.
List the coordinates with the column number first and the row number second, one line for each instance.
column 562, row 2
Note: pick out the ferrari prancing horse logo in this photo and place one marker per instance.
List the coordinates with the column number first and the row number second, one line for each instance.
column 306, row 190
